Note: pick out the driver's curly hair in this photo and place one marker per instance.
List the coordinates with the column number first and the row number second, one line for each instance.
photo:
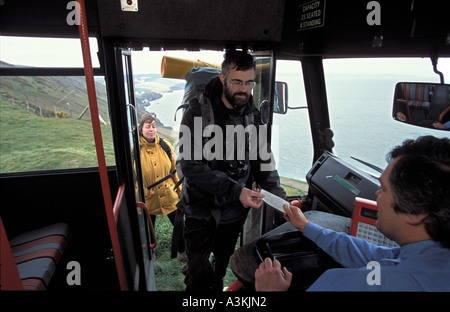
column 420, row 181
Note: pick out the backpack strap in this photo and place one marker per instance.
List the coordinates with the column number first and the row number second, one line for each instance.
column 182, row 106
column 166, row 148
column 162, row 180
column 249, row 119
column 205, row 106
column 207, row 111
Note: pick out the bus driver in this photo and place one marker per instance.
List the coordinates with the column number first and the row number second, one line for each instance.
column 413, row 210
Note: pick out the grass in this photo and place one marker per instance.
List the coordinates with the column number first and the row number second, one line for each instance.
column 29, row 142
column 52, row 92
column 168, row 272
column 294, row 187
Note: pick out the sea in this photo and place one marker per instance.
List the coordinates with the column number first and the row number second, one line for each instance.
column 360, row 110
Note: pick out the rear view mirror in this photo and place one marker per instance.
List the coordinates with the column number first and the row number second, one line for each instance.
column 281, row 98
column 280, row 102
column 422, row 104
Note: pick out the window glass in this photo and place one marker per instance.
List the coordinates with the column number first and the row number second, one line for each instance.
column 46, row 52
column 45, row 121
column 291, row 139
column 360, row 95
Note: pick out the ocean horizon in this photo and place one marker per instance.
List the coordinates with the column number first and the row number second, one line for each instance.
column 360, row 118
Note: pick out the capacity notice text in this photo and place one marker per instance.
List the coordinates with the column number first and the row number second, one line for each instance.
column 311, row 15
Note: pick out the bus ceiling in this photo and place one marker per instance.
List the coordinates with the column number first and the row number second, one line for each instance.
column 293, row 28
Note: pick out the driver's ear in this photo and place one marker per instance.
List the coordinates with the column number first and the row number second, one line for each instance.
column 415, row 219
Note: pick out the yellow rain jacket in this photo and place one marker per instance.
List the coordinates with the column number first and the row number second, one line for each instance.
column 161, row 199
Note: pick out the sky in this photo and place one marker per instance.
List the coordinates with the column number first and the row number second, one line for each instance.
column 49, row 52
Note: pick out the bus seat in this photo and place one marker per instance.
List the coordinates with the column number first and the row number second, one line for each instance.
column 37, row 253
column 416, row 97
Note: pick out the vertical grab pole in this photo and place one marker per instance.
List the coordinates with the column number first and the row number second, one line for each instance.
column 89, row 74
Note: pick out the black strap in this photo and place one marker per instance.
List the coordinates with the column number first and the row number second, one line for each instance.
column 178, row 183
column 182, row 106
column 162, row 180
column 166, row 148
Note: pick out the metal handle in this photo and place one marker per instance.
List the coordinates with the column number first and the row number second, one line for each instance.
column 152, row 229
column 133, row 124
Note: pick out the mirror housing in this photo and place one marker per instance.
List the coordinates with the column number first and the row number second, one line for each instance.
column 280, row 98
column 422, row 104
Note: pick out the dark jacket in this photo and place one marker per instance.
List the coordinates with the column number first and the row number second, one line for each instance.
column 212, row 187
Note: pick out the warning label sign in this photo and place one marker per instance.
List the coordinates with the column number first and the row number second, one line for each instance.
column 311, row 15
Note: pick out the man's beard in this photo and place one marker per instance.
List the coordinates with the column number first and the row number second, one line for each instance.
column 234, row 99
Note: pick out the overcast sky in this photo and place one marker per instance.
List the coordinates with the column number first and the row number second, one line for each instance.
column 51, row 52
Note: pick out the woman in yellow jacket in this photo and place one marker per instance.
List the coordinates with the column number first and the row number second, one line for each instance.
column 156, row 164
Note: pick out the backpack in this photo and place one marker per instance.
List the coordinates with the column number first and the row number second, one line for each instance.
column 196, row 80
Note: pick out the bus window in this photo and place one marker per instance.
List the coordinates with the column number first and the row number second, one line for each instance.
column 44, row 52
column 293, row 150
column 45, row 119
column 360, row 93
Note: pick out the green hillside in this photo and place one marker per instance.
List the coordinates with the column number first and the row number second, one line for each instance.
column 44, row 95
column 29, row 142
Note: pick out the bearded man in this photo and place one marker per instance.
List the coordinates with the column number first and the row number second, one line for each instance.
column 218, row 192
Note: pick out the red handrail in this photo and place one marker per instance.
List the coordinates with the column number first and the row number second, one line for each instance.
column 90, row 84
column 9, row 275
column 118, row 202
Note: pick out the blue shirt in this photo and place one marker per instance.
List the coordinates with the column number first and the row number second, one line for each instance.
column 420, row 266
column 447, row 124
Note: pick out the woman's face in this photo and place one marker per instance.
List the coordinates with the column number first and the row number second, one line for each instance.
column 149, row 130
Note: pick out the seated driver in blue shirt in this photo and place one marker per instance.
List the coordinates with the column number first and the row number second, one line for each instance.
column 413, row 210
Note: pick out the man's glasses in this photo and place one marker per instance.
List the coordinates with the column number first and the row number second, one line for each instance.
column 239, row 83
